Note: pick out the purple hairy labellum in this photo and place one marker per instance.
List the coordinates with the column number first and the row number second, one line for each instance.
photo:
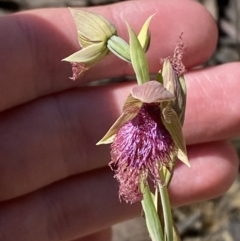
column 145, row 138
column 140, row 149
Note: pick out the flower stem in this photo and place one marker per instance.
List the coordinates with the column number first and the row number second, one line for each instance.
column 167, row 213
column 151, row 215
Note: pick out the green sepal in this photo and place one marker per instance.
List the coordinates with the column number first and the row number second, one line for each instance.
column 184, row 97
column 177, row 87
column 138, row 59
column 89, row 55
column 173, row 125
column 92, row 27
column 129, row 111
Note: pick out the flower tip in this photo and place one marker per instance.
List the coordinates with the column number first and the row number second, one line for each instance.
column 101, row 142
column 188, row 164
column 182, row 156
column 105, row 140
column 64, row 60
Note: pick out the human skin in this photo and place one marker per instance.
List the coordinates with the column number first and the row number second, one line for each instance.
column 54, row 182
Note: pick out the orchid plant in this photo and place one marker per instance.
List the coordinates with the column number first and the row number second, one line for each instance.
column 146, row 140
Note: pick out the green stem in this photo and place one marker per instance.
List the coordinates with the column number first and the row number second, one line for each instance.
column 151, row 215
column 167, row 213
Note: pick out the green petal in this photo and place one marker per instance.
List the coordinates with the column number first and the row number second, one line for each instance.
column 173, row 125
column 184, row 98
column 89, row 55
column 177, row 87
column 108, row 138
column 144, row 36
column 130, row 110
column 138, row 59
column 151, row 92
column 131, row 105
column 92, row 27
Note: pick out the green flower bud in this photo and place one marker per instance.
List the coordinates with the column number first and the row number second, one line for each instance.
column 93, row 34
column 119, row 47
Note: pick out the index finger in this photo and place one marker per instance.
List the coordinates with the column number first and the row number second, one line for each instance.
column 34, row 43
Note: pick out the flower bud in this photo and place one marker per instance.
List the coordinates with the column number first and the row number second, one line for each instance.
column 119, row 47
column 93, row 34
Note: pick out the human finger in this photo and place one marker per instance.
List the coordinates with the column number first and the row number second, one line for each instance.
column 87, row 203
column 31, row 53
column 103, row 235
column 212, row 172
column 213, row 104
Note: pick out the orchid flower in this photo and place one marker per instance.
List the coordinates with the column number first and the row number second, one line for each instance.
column 147, row 139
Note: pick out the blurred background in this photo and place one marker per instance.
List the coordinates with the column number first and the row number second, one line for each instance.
column 215, row 220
